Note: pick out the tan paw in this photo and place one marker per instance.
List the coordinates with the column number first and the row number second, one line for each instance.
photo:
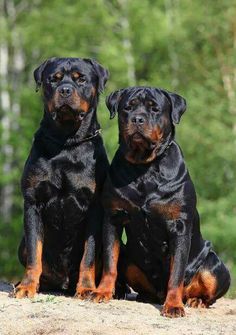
column 84, row 293
column 25, row 290
column 172, row 311
column 196, row 303
column 101, row 296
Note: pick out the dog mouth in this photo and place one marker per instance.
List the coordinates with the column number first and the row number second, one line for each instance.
column 140, row 141
column 137, row 137
column 66, row 113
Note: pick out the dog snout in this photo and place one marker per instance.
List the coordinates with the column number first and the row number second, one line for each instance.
column 138, row 119
column 65, row 91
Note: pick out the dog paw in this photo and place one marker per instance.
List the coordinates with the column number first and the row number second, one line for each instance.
column 84, row 293
column 196, row 303
column 25, row 291
column 172, row 311
column 101, row 296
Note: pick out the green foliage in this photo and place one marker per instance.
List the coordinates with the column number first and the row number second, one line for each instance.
column 184, row 46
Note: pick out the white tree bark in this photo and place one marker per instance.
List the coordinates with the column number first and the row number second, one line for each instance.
column 170, row 7
column 6, row 148
column 11, row 63
column 127, row 43
column 228, row 73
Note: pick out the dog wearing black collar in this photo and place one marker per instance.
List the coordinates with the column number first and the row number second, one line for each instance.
column 62, row 181
column 149, row 192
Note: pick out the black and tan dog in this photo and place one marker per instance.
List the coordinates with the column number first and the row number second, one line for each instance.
column 62, row 180
column 150, row 193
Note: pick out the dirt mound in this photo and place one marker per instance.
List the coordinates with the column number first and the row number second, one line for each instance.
column 50, row 314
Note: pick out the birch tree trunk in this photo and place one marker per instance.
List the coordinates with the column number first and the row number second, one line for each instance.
column 226, row 58
column 11, row 64
column 127, row 43
column 170, row 7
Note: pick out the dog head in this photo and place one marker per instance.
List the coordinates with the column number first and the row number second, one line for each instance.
column 146, row 120
column 71, row 87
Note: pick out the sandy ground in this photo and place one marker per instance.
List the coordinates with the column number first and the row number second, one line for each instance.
column 50, row 314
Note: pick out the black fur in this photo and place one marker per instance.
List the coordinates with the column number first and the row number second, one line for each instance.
column 63, row 179
column 149, row 192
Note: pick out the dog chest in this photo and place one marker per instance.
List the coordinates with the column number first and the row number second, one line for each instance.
column 61, row 178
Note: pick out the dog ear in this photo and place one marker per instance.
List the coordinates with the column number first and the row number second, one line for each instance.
column 102, row 73
column 39, row 72
column 178, row 105
column 112, row 102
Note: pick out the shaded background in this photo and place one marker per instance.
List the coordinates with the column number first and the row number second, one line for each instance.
column 181, row 45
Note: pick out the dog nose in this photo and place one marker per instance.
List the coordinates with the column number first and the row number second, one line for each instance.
column 65, row 91
column 137, row 120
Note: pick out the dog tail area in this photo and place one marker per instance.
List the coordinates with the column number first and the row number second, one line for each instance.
column 218, row 269
column 224, row 281
column 210, row 283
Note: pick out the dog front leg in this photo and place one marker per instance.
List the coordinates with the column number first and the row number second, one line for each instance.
column 92, row 248
column 179, row 247
column 111, row 249
column 86, row 283
column 33, row 231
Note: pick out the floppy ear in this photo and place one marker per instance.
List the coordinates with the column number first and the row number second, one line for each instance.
column 101, row 72
column 112, row 102
column 39, row 72
column 178, row 105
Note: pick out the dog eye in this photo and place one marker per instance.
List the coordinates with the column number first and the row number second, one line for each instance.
column 155, row 109
column 81, row 80
column 134, row 102
column 78, row 77
column 128, row 108
column 56, row 77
